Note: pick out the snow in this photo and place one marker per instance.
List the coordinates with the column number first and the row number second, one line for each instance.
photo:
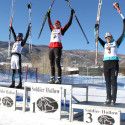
column 21, row 118
column 96, row 93
column 71, row 69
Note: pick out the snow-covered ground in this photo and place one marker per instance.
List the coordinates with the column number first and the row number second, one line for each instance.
column 19, row 117
column 97, row 93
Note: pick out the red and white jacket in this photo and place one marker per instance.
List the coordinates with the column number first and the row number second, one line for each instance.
column 56, row 34
column 55, row 39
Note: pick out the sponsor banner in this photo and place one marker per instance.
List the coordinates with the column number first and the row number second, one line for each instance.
column 7, row 98
column 101, row 116
column 46, row 99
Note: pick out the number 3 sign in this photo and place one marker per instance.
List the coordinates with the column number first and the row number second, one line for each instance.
column 101, row 116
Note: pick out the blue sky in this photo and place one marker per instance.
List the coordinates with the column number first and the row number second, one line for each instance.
column 86, row 11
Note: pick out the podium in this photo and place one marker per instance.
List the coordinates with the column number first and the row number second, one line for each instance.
column 43, row 89
column 59, row 101
column 8, row 98
column 97, row 113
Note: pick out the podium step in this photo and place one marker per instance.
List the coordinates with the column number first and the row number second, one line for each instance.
column 82, row 105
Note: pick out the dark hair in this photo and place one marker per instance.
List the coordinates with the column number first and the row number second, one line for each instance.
column 19, row 35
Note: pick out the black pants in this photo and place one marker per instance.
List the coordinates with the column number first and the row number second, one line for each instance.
column 13, row 75
column 111, row 68
column 55, row 57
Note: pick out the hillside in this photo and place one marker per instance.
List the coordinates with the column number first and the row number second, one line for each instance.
column 73, row 58
column 26, row 56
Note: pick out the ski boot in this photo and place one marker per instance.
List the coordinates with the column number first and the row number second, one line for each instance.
column 113, row 103
column 12, row 85
column 58, row 81
column 52, row 80
column 107, row 102
column 19, row 86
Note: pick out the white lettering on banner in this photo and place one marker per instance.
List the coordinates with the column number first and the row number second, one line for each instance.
column 105, row 116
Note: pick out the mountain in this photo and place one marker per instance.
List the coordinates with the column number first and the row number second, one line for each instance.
column 26, row 56
column 72, row 58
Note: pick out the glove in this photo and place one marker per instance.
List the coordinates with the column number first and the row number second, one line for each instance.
column 96, row 26
column 72, row 11
column 97, row 37
column 29, row 26
column 124, row 20
column 10, row 26
column 48, row 13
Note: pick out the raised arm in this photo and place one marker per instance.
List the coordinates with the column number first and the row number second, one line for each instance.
column 120, row 39
column 13, row 32
column 50, row 22
column 69, row 23
column 26, row 36
column 101, row 42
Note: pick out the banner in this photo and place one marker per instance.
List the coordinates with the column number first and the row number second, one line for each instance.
column 101, row 116
column 7, row 98
column 46, row 99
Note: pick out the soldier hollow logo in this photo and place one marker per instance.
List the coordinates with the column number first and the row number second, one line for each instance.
column 106, row 120
column 47, row 104
column 7, row 101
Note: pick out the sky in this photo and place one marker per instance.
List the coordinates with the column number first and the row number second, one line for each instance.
column 86, row 11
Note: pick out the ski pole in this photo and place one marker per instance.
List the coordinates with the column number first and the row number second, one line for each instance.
column 11, row 21
column 97, row 29
column 45, row 18
column 117, row 7
column 30, row 13
column 68, row 1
